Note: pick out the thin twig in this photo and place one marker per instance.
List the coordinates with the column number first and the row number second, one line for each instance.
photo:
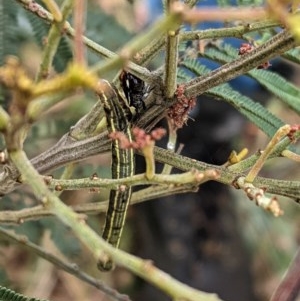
column 171, row 58
column 235, row 31
column 280, row 187
column 190, row 177
column 53, row 39
column 257, row 166
column 67, row 150
column 291, row 155
column 54, row 10
column 277, row 45
column 87, row 125
column 258, row 195
column 277, row 151
column 97, row 246
column 38, row 212
column 170, row 22
column 70, row 268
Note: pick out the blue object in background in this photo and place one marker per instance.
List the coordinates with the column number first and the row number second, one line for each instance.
column 243, row 84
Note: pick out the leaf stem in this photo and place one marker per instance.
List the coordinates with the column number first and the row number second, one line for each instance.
column 189, row 177
column 277, row 45
column 282, row 132
column 150, row 193
column 54, row 10
column 41, row 104
column 291, row 155
column 168, row 23
column 97, row 245
column 258, row 195
column 53, row 39
column 235, row 31
column 171, row 58
column 70, row 268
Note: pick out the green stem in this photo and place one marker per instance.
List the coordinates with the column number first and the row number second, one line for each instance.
column 278, row 149
column 291, row 155
column 235, row 31
column 68, row 267
column 258, row 195
column 277, row 45
column 190, row 177
column 170, row 22
column 150, row 193
column 54, row 36
column 171, row 59
column 286, row 188
column 88, row 124
column 67, row 173
column 52, row 202
column 150, row 163
column 39, row 105
column 54, row 9
column 97, row 245
column 171, row 64
column 283, row 131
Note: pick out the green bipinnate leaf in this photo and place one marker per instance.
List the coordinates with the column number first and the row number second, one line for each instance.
column 293, row 55
column 254, row 111
column 40, row 31
column 276, row 84
column 273, row 82
column 10, row 295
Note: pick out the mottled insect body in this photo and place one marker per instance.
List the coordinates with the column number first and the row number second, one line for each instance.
column 135, row 91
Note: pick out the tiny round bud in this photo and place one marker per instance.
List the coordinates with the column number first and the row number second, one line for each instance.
column 58, row 187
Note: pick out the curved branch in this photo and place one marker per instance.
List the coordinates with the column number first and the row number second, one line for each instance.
column 277, row 45
column 70, row 268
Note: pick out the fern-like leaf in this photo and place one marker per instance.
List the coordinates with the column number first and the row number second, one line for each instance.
column 182, row 76
column 254, row 111
column 40, row 31
column 104, row 29
column 194, row 66
column 276, row 84
column 9, row 295
column 10, row 36
column 293, row 55
column 273, row 82
column 8, row 28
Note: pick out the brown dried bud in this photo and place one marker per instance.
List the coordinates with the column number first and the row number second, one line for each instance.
column 58, row 187
column 246, row 48
column 178, row 113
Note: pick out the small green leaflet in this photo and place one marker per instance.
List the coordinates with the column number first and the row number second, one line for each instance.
column 254, row 111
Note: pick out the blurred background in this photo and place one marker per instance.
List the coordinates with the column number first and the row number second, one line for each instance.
column 215, row 240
